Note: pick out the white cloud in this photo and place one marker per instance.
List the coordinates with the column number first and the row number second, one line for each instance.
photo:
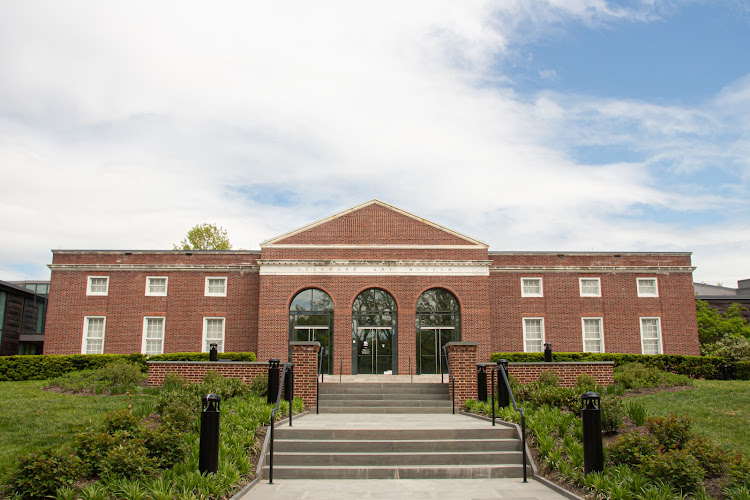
column 122, row 126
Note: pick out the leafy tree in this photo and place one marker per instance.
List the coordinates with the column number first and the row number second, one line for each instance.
column 205, row 237
column 723, row 334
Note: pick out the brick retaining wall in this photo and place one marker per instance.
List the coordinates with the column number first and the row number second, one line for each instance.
column 567, row 372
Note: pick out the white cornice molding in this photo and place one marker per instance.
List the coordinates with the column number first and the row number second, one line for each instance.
column 373, row 268
column 156, row 267
column 593, row 269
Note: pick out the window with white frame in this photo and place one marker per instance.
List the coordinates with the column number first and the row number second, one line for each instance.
column 153, row 335
column 93, row 335
column 648, row 287
column 156, row 286
column 590, row 287
column 651, row 336
column 531, row 287
column 533, row 334
column 97, row 285
column 213, row 333
column 216, row 286
column 593, row 335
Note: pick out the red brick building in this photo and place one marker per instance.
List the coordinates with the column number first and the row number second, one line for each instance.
column 380, row 288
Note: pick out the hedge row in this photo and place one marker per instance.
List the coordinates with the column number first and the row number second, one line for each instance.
column 14, row 368
column 41, row 367
column 203, row 356
column 708, row 367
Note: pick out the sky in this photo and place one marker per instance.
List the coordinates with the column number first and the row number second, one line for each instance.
column 531, row 125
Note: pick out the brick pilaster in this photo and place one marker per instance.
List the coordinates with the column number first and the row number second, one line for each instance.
column 462, row 359
column 305, row 359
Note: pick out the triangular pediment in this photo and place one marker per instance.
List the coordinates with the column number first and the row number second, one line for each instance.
column 374, row 223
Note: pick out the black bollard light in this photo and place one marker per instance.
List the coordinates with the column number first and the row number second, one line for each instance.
column 503, row 397
column 481, row 382
column 289, row 388
column 208, row 460
column 273, row 380
column 213, row 354
column 548, row 352
column 593, row 454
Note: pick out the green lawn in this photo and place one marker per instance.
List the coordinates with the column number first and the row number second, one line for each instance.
column 31, row 418
column 720, row 410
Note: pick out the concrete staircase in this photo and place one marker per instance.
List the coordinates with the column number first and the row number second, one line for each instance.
column 492, row 452
column 384, row 398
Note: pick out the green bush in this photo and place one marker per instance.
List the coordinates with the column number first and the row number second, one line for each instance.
column 678, row 467
column 165, row 444
column 46, row 366
column 116, row 377
column 128, row 459
column 612, row 413
column 178, row 407
column 41, row 473
column 636, row 413
column 203, row 356
column 712, row 458
column 259, row 386
column 225, row 387
column 671, row 431
column 708, row 367
column 631, row 448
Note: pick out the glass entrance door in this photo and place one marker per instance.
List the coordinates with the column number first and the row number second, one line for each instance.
column 430, row 347
column 322, row 334
column 374, row 345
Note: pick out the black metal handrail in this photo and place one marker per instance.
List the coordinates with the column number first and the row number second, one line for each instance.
column 451, row 378
column 287, row 367
column 501, row 370
column 318, row 381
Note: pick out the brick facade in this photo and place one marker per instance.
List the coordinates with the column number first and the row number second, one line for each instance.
column 371, row 246
column 462, row 359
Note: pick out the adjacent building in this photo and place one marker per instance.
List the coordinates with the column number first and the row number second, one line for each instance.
column 381, row 289
column 720, row 297
column 23, row 307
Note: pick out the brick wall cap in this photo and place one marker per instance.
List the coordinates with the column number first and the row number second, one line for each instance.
column 486, row 364
column 462, row 344
column 304, row 343
column 542, row 363
column 208, row 363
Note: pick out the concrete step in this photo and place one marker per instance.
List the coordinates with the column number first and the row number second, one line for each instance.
column 355, row 459
column 395, row 472
column 380, row 388
column 383, row 397
column 292, row 433
column 398, row 446
column 387, row 402
column 385, row 409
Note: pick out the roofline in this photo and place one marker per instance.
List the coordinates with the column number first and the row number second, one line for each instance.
column 166, row 252
column 374, row 201
column 507, row 252
column 18, row 288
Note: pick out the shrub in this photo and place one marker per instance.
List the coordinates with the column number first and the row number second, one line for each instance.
column 631, row 448
column 639, row 376
column 678, row 467
column 91, row 446
column 172, row 380
column 178, row 408
column 708, row 367
column 41, row 473
column 225, row 387
column 166, row 445
column 120, row 420
column 259, row 386
column 203, row 356
column 129, row 459
column 549, row 378
column 585, row 383
column 121, row 373
column 46, row 366
column 612, row 413
column 712, row 458
column 671, row 431
column 115, row 378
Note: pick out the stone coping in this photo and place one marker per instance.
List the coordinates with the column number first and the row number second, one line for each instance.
column 462, row 343
column 305, row 343
column 220, row 362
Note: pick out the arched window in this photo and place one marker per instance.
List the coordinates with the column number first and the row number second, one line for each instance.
column 311, row 319
column 374, row 333
column 438, row 321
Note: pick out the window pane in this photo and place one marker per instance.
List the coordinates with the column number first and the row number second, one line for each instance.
column 590, row 287
column 157, row 285
column 214, row 328
column 592, row 346
column 216, row 285
column 533, row 346
column 591, row 328
column 95, row 328
column 94, row 346
column 532, row 286
column 647, row 286
column 98, row 285
column 533, row 329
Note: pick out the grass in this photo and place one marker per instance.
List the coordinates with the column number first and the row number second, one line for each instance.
column 32, row 418
column 720, row 410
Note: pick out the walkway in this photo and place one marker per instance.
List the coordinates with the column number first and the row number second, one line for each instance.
column 402, row 489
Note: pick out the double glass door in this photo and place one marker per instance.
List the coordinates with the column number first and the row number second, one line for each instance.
column 374, row 347
column 430, row 348
column 318, row 333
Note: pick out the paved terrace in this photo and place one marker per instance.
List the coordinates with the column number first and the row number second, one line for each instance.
column 411, row 489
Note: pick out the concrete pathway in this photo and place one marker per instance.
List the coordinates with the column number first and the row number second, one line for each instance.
column 403, row 489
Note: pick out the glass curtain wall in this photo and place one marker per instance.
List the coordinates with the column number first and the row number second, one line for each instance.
column 438, row 322
column 374, row 333
column 311, row 319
